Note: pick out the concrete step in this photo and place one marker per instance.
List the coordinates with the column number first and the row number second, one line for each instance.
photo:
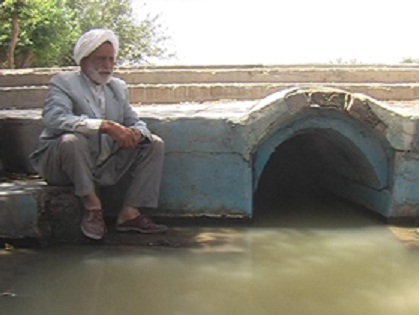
column 34, row 96
column 33, row 213
column 31, row 209
column 239, row 74
column 272, row 75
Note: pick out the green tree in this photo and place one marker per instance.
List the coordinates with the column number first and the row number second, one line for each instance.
column 41, row 32
column 410, row 60
column 140, row 41
column 341, row 61
column 12, row 11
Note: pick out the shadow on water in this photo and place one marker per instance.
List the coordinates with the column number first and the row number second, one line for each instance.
column 312, row 209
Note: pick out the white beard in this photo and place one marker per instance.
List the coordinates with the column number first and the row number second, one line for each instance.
column 100, row 76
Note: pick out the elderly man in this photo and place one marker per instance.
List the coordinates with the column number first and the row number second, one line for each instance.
column 92, row 137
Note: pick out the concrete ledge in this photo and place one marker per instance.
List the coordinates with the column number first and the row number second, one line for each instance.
column 19, row 209
column 19, row 132
column 32, row 209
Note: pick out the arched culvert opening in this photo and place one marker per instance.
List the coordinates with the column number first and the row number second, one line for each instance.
column 316, row 169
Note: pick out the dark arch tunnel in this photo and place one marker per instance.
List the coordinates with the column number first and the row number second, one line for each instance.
column 298, row 179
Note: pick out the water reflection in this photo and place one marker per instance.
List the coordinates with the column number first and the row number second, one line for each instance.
column 324, row 258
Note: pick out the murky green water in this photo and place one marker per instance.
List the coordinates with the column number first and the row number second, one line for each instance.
column 324, row 260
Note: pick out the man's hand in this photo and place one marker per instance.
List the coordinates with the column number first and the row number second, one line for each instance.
column 125, row 137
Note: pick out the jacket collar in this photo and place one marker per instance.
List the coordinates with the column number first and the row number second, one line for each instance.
column 90, row 99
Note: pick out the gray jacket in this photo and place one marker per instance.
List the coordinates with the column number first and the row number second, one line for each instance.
column 70, row 102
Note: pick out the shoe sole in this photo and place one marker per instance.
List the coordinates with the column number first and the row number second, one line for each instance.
column 90, row 235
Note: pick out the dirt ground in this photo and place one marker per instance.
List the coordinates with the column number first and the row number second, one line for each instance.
column 199, row 234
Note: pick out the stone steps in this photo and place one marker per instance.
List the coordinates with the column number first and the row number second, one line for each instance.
column 244, row 74
column 33, row 97
column 27, row 88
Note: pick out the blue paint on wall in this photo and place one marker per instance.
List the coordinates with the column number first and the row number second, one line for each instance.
column 18, row 214
column 214, row 162
column 216, row 184
column 405, row 197
column 368, row 150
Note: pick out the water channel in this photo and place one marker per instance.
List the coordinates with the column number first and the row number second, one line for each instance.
column 305, row 253
column 318, row 256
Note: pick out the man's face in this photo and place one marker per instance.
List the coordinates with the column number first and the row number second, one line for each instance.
column 98, row 66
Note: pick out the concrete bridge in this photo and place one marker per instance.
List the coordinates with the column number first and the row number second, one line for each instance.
column 233, row 135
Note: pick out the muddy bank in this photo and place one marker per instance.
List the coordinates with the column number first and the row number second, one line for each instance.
column 408, row 235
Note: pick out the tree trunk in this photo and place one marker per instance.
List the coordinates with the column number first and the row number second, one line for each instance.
column 13, row 42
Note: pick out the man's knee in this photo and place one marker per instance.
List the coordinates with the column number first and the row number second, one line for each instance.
column 73, row 142
column 157, row 143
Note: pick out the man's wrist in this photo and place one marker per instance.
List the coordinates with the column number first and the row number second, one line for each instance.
column 105, row 126
column 138, row 132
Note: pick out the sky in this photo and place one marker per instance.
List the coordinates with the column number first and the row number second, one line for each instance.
column 288, row 32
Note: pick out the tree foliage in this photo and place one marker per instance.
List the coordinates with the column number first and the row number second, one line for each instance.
column 410, row 60
column 340, row 61
column 47, row 30
column 42, row 32
column 12, row 11
column 140, row 41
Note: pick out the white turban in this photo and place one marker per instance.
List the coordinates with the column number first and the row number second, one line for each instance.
column 89, row 41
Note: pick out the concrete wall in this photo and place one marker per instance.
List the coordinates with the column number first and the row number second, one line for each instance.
column 216, row 153
column 215, row 160
column 371, row 148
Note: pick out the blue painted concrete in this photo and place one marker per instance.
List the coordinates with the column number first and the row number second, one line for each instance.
column 206, row 171
column 19, row 211
column 213, row 184
column 405, row 195
column 216, row 153
column 216, row 156
column 364, row 149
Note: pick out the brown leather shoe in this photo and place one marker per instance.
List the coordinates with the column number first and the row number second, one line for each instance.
column 141, row 224
column 92, row 224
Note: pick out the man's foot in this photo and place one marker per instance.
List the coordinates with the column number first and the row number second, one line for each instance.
column 141, row 224
column 92, row 224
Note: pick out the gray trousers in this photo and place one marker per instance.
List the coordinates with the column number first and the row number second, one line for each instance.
column 68, row 162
